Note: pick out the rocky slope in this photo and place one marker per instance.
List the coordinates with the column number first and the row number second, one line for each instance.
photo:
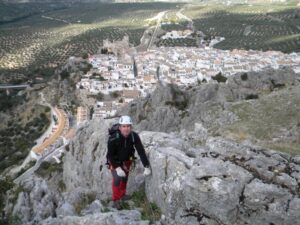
column 248, row 106
column 221, row 182
column 201, row 175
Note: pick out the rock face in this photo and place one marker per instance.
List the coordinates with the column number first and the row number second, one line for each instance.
column 36, row 203
column 222, row 183
column 197, row 177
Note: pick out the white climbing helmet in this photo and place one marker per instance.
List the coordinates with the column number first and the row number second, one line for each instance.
column 125, row 120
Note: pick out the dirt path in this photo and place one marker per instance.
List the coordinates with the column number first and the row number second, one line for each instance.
column 147, row 40
column 60, row 20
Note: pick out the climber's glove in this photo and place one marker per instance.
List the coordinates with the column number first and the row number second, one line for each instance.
column 147, row 171
column 120, row 172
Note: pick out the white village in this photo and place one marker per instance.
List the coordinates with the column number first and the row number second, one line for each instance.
column 135, row 75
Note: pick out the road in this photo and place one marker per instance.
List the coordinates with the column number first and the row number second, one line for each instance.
column 60, row 20
column 14, row 86
column 184, row 17
column 158, row 17
column 51, row 140
column 247, row 30
column 54, row 154
column 62, row 121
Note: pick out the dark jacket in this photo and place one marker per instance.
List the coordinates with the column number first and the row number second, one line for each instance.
column 120, row 149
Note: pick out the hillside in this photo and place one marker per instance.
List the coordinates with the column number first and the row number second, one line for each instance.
column 210, row 163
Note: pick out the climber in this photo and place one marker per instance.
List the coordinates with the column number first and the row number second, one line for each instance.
column 120, row 155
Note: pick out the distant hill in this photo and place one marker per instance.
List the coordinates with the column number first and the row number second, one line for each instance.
column 50, row 1
column 85, row 1
column 112, row 1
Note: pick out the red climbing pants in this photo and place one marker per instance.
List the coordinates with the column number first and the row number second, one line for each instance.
column 119, row 183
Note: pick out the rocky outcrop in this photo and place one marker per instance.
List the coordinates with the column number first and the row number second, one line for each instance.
column 221, row 182
column 124, row 217
column 35, row 202
column 170, row 108
column 247, row 107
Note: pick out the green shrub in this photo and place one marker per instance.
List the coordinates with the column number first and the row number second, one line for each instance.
column 244, row 76
column 47, row 168
column 251, row 96
column 5, row 185
column 47, row 109
column 115, row 94
column 219, row 77
column 100, row 96
column 64, row 74
column 181, row 105
column 61, row 186
column 85, row 55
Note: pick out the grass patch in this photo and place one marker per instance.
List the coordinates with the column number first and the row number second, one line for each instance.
column 105, row 206
column 62, row 186
column 85, row 201
column 285, row 147
column 28, row 166
column 264, row 120
column 150, row 210
column 47, row 168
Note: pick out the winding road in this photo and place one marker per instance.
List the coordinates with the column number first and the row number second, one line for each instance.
column 51, row 140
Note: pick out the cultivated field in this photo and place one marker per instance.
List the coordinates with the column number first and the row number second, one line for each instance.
column 38, row 38
column 259, row 26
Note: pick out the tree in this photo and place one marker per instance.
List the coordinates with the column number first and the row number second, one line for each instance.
column 100, row 96
column 5, row 185
column 220, row 78
column 85, row 55
column 104, row 51
column 114, row 94
column 135, row 71
column 64, row 74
